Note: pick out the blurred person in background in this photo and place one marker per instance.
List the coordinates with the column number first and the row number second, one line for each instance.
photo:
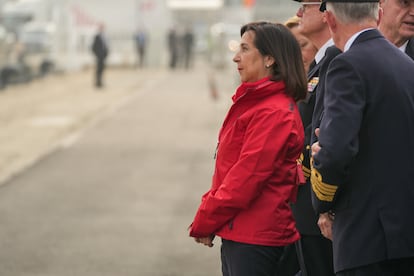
column 308, row 49
column 256, row 171
column 141, row 41
column 100, row 50
column 397, row 24
column 173, row 45
column 188, row 44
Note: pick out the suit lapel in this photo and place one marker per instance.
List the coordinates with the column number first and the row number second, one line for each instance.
column 314, row 71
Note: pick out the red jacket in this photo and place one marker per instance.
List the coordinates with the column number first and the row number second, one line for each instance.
column 256, row 171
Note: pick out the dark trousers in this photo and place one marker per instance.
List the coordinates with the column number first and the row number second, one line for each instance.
column 100, row 66
column 397, row 267
column 316, row 254
column 241, row 259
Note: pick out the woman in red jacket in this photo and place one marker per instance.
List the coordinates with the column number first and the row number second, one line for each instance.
column 256, row 173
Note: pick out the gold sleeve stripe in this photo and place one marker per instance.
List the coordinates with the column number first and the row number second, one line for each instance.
column 323, row 191
column 306, row 170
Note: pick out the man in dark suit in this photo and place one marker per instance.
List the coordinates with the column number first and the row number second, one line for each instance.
column 397, row 24
column 362, row 170
column 101, row 51
column 312, row 254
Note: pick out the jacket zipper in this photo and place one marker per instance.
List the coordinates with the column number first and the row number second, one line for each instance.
column 216, row 151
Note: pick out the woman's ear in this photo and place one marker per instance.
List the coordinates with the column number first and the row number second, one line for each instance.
column 269, row 61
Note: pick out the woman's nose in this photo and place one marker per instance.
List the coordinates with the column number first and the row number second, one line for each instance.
column 236, row 57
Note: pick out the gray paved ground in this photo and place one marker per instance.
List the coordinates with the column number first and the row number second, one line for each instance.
column 106, row 182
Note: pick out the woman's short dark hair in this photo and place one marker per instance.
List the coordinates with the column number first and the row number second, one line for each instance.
column 276, row 40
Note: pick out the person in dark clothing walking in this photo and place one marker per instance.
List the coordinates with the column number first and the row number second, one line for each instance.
column 141, row 39
column 173, row 47
column 101, row 51
column 188, row 42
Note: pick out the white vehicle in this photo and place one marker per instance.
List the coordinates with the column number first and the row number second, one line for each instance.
column 12, row 67
column 49, row 35
column 38, row 40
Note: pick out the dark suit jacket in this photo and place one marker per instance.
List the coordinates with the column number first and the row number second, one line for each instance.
column 364, row 171
column 306, row 218
column 99, row 47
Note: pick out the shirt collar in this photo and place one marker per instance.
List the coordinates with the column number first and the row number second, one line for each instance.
column 404, row 46
column 352, row 39
column 321, row 52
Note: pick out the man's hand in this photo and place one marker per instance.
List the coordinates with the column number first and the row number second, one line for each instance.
column 325, row 223
column 315, row 146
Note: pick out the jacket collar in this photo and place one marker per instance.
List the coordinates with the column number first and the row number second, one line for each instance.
column 258, row 89
column 364, row 35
